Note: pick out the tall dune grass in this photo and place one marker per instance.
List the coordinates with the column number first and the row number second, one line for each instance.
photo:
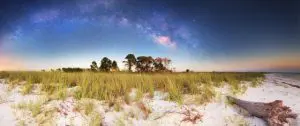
column 108, row 86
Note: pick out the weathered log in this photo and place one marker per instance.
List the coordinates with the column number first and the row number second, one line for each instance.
column 292, row 85
column 274, row 113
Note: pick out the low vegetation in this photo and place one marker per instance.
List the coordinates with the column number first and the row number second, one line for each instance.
column 88, row 108
column 21, row 123
column 96, row 120
column 109, row 86
column 26, row 89
column 34, row 107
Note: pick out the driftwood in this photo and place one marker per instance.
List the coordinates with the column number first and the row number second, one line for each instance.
column 292, row 85
column 274, row 113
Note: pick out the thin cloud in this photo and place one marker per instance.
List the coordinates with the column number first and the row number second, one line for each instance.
column 124, row 22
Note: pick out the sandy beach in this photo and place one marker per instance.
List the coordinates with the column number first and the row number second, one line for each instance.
column 161, row 112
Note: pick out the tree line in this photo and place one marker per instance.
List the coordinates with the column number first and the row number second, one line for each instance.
column 106, row 65
column 139, row 64
column 132, row 63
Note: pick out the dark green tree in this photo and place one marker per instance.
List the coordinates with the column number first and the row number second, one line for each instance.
column 106, row 64
column 94, row 66
column 159, row 65
column 144, row 64
column 130, row 61
column 166, row 62
column 162, row 64
column 115, row 66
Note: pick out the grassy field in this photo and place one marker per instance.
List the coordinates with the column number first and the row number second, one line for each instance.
column 109, row 86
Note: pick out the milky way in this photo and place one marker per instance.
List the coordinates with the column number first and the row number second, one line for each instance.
column 196, row 34
column 160, row 27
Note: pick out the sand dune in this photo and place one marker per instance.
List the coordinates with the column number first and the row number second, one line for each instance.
column 216, row 113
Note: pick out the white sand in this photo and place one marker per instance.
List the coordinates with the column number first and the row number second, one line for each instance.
column 268, row 92
column 8, row 115
column 275, row 89
column 216, row 113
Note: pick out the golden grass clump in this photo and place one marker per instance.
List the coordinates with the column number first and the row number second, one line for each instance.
column 34, row 107
column 26, row 89
column 96, row 120
column 89, row 108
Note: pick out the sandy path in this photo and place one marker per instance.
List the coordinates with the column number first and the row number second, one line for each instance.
column 7, row 117
column 8, row 99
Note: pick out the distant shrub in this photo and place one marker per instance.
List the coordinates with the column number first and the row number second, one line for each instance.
column 4, row 74
column 72, row 69
column 187, row 70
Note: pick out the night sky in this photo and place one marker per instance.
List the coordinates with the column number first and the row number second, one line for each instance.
column 201, row 35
